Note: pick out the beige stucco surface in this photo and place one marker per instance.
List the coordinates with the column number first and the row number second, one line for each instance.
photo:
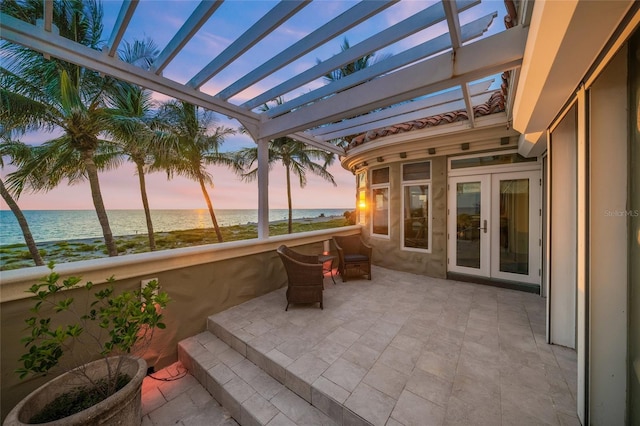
column 196, row 292
column 388, row 252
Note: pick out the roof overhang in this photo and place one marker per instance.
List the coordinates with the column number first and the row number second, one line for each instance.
column 565, row 40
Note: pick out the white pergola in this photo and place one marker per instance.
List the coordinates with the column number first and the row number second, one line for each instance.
column 445, row 72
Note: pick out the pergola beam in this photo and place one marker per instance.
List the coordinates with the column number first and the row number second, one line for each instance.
column 265, row 26
column 399, row 113
column 438, row 44
column 48, row 15
column 453, row 22
column 120, row 27
column 20, row 32
column 402, row 29
column 349, row 19
column 483, row 58
column 198, row 18
column 317, row 142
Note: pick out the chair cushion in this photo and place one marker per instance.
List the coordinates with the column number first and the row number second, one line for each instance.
column 356, row 258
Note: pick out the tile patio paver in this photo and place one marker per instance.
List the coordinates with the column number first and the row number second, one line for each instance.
column 176, row 398
column 453, row 352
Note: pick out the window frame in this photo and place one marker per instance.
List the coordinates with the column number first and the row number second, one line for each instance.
column 373, row 187
column 418, row 182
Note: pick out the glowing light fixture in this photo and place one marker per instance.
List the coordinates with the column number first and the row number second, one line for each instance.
column 362, row 200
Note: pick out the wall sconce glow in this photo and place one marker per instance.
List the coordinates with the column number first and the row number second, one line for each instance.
column 362, row 200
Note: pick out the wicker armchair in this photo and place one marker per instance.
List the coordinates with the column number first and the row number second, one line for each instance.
column 305, row 276
column 353, row 254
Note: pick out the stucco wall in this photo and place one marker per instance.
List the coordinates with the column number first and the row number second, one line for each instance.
column 388, row 252
column 196, row 292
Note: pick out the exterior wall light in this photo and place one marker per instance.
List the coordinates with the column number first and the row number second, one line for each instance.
column 362, row 200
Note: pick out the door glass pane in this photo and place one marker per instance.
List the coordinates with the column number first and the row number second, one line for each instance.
column 468, row 224
column 416, row 216
column 514, row 226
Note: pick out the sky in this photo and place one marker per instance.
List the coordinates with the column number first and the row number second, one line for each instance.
column 160, row 20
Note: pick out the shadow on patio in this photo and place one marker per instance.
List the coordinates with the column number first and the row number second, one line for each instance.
column 401, row 349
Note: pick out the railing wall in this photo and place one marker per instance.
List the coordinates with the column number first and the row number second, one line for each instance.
column 201, row 281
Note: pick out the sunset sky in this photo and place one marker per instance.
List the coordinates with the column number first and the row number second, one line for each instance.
column 160, row 20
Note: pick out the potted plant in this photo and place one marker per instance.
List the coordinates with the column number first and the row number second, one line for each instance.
column 103, row 337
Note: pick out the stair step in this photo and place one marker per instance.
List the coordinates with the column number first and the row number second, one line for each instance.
column 302, row 376
column 252, row 395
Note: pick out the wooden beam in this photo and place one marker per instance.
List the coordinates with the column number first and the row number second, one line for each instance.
column 120, row 27
column 472, row 62
column 349, row 19
column 198, row 18
column 398, row 112
column 16, row 31
column 402, row 29
column 269, row 22
column 431, row 47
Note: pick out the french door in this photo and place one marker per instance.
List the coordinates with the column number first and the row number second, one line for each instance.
column 494, row 226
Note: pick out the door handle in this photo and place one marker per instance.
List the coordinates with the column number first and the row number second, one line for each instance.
column 484, row 228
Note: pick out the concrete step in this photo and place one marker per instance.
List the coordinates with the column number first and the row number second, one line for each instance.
column 252, row 396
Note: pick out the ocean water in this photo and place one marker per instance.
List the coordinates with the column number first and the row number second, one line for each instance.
column 56, row 225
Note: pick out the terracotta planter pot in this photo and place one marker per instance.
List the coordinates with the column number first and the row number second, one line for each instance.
column 121, row 408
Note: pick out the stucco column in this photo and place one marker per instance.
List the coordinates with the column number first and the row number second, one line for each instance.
column 263, row 189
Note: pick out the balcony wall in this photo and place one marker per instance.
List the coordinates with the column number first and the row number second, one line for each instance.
column 201, row 281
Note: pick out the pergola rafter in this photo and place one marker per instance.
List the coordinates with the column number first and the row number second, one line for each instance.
column 124, row 17
column 433, row 73
column 321, row 106
column 198, row 18
column 352, row 17
column 471, row 62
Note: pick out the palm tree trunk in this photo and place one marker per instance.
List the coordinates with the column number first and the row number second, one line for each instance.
column 145, row 204
column 96, row 194
column 290, row 225
column 210, row 206
column 24, row 226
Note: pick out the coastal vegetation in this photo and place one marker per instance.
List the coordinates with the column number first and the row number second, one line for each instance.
column 94, row 123
column 16, row 256
column 296, row 157
column 13, row 151
column 196, row 145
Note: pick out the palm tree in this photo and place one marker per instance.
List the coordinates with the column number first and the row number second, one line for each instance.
column 347, row 69
column 130, row 117
column 196, row 145
column 45, row 94
column 17, row 152
column 295, row 156
column 350, row 68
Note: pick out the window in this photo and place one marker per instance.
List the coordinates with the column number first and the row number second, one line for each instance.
column 380, row 202
column 416, row 199
column 490, row 160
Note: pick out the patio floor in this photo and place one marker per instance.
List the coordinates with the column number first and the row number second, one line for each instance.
column 401, row 349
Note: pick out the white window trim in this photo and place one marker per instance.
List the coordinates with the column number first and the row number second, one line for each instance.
column 373, row 187
column 516, row 167
column 405, row 183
